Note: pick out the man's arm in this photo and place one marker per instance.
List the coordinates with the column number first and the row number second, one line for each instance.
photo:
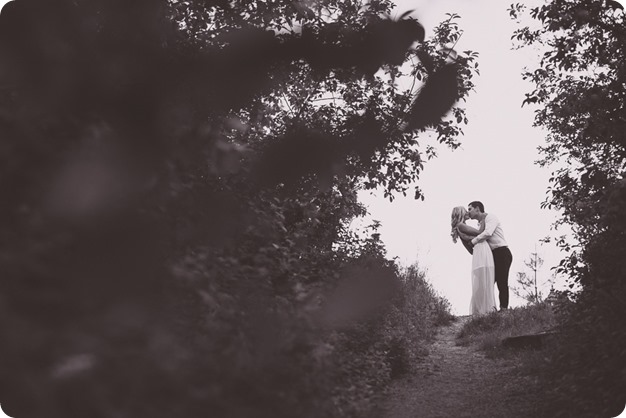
column 491, row 223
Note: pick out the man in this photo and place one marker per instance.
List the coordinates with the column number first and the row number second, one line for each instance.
column 502, row 256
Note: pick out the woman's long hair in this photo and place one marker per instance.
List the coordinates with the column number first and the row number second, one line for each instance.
column 457, row 217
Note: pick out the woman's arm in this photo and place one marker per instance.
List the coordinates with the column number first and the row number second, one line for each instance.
column 466, row 240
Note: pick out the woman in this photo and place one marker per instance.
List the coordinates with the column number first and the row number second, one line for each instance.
column 483, row 271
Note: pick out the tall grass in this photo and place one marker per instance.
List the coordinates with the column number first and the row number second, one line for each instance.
column 372, row 350
column 422, row 300
column 487, row 331
column 412, row 320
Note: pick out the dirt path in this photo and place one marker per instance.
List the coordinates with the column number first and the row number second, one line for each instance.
column 455, row 381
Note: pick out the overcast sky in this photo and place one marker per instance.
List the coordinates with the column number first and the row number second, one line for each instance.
column 494, row 165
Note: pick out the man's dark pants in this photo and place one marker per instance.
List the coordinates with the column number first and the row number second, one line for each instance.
column 502, row 259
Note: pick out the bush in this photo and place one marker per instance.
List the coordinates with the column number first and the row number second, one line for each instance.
column 584, row 373
column 412, row 320
column 176, row 181
column 304, row 347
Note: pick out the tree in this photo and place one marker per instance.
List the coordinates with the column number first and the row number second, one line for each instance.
column 177, row 177
column 528, row 289
column 579, row 94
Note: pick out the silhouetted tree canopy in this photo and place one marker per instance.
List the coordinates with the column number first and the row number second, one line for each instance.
column 580, row 98
column 177, row 183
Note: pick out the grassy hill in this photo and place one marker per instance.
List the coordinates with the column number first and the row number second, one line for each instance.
column 557, row 368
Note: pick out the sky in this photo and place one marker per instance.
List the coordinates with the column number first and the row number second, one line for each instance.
column 495, row 163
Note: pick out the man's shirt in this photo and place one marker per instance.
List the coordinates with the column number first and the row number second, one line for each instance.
column 492, row 233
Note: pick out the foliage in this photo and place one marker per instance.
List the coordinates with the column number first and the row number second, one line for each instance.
column 580, row 94
column 178, row 178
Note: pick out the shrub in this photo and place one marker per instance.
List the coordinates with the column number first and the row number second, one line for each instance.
column 176, row 180
column 583, row 374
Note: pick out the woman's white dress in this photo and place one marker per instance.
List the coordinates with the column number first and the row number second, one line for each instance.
column 483, row 280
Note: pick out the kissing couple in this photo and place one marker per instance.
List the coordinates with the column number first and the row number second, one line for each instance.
column 491, row 257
